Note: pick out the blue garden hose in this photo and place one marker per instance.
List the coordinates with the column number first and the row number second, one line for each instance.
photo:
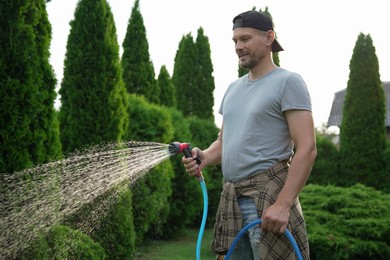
column 204, row 218
column 240, row 234
column 185, row 148
column 258, row 222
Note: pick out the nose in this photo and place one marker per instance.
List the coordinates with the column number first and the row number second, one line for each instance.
column 238, row 46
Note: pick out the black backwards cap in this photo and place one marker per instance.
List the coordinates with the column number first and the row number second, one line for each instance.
column 257, row 20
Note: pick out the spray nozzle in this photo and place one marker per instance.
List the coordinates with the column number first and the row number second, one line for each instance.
column 175, row 148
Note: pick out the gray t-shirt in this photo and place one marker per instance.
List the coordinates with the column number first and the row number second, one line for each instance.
column 255, row 130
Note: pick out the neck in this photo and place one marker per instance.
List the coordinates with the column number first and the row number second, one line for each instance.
column 261, row 69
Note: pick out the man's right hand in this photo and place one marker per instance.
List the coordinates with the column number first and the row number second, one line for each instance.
column 190, row 163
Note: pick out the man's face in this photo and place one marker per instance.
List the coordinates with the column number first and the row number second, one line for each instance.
column 250, row 46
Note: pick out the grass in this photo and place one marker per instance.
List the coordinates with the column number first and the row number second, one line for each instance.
column 181, row 248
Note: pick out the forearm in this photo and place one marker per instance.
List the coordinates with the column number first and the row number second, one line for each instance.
column 213, row 154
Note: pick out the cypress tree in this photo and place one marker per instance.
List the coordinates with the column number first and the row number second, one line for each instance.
column 138, row 72
column 28, row 129
column 47, row 118
column 185, row 68
column 166, row 87
column 362, row 132
column 204, row 90
column 93, row 96
column 94, row 107
column 192, row 77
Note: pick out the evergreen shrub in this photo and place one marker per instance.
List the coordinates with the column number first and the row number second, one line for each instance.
column 152, row 193
column 186, row 201
column 63, row 242
column 325, row 168
column 347, row 223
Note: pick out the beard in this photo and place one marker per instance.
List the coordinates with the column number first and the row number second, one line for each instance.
column 252, row 61
column 249, row 64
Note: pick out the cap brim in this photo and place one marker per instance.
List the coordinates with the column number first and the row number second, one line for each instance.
column 276, row 47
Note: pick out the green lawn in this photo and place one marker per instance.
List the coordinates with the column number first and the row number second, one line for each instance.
column 182, row 248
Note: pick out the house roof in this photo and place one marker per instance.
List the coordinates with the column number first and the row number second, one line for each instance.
column 336, row 113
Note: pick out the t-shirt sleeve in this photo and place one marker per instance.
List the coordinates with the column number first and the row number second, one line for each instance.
column 295, row 94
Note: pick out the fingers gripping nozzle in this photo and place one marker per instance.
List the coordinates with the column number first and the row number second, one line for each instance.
column 185, row 148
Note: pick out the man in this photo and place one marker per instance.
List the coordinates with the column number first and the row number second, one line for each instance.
column 266, row 114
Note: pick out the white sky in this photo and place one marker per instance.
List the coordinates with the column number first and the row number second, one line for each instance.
column 318, row 37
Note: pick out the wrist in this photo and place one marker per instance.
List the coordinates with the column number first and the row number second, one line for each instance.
column 284, row 203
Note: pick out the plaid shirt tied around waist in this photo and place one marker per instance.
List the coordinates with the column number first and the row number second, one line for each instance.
column 264, row 188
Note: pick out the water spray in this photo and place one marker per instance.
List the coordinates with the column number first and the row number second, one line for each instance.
column 185, row 148
column 35, row 199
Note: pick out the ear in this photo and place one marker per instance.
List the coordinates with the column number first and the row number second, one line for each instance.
column 270, row 37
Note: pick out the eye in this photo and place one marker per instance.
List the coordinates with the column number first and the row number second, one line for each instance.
column 245, row 39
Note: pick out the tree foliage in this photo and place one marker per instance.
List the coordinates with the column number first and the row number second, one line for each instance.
column 117, row 233
column 186, row 200
column 93, row 96
column 325, row 168
column 362, row 133
column 184, row 69
column 152, row 193
column 204, row 88
column 29, row 128
column 138, row 71
column 386, row 158
column 94, row 106
column 149, row 122
column 192, row 77
column 166, row 87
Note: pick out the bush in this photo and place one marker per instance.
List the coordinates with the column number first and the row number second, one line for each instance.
column 325, row 168
column 62, row 242
column 151, row 196
column 186, row 197
column 347, row 223
column 152, row 193
column 148, row 122
column 116, row 232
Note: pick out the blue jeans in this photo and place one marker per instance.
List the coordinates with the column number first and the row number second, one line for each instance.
column 248, row 248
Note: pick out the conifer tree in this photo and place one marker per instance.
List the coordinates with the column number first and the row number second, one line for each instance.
column 47, row 118
column 166, row 87
column 192, row 77
column 204, row 90
column 93, row 96
column 362, row 132
column 138, row 71
column 94, row 107
column 28, row 129
column 185, row 68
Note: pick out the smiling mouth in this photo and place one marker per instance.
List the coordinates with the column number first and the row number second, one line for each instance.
column 242, row 55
